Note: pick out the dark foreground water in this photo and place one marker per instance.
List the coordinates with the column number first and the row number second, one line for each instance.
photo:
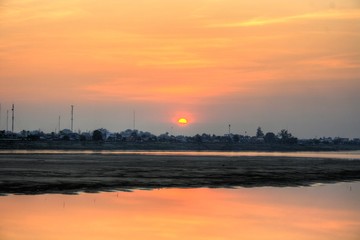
column 321, row 212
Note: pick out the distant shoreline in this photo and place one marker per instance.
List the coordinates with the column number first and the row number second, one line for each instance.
column 73, row 173
column 168, row 146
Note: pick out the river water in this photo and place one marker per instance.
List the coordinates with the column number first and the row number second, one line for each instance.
column 321, row 212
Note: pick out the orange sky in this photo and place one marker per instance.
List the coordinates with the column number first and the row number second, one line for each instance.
column 277, row 64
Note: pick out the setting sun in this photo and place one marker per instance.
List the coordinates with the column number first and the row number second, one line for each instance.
column 182, row 121
column 210, row 62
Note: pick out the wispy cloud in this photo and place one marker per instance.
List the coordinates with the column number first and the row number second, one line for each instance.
column 33, row 11
column 123, row 89
column 330, row 14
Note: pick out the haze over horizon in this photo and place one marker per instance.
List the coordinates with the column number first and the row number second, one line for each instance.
column 275, row 64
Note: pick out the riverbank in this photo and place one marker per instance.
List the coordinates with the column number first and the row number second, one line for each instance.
column 168, row 146
column 71, row 173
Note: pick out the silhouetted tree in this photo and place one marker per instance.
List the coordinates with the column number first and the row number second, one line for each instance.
column 259, row 133
column 34, row 137
column 270, row 137
column 2, row 134
column 82, row 138
column 292, row 140
column 236, row 138
column 286, row 137
column 284, row 134
column 97, row 135
column 66, row 138
column 198, row 138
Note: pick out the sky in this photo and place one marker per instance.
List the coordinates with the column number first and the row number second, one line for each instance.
column 276, row 64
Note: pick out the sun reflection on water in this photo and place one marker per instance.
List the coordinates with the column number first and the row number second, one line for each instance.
column 318, row 212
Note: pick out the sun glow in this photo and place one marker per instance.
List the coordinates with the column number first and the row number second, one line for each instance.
column 183, row 121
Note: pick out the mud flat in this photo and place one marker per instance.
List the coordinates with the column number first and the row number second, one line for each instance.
column 17, row 144
column 72, row 173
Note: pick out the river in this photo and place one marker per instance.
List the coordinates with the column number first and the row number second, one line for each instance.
column 321, row 212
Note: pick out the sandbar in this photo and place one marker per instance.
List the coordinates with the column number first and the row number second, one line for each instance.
column 73, row 173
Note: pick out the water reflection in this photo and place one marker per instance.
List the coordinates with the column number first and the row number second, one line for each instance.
column 319, row 212
column 338, row 154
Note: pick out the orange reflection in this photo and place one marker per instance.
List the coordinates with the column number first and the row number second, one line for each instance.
column 326, row 212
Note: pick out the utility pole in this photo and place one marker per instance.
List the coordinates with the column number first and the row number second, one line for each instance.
column 72, row 118
column 12, row 119
column 134, row 120
column 7, row 120
column 59, row 123
column 229, row 129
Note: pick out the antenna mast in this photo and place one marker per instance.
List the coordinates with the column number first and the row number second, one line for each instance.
column 134, row 120
column 12, row 119
column 59, row 123
column 72, row 117
column 7, row 120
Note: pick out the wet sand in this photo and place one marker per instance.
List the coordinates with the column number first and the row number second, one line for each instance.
column 72, row 173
